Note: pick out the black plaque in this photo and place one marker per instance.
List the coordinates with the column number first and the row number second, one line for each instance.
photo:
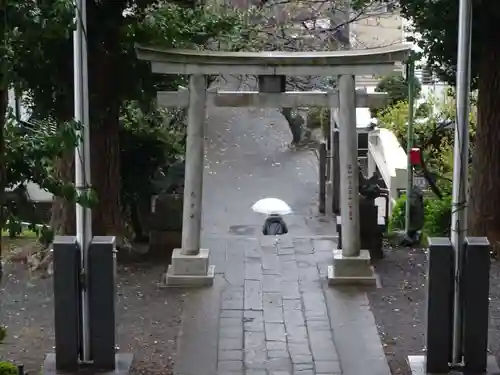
column 101, row 294
column 476, row 286
column 440, row 287
column 67, row 296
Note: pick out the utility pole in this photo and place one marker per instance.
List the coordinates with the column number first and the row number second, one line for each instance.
column 82, row 159
column 410, row 78
column 460, row 165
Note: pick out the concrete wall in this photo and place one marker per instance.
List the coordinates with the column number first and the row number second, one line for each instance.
column 381, row 29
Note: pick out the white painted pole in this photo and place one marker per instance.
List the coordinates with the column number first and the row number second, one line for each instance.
column 349, row 181
column 461, row 164
column 82, row 156
column 195, row 156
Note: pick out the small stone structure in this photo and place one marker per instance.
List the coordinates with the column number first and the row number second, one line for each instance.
column 190, row 263
column 165, row 226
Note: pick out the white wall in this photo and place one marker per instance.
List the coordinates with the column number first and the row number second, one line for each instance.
column 12, row 104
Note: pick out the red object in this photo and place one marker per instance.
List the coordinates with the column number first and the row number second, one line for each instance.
column 415, row 156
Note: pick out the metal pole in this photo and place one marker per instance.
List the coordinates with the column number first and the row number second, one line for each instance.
column 82, row 157
column 322, row 177
column 410, row 76
column 460, row 164
column 195, row 157
column 348, row 152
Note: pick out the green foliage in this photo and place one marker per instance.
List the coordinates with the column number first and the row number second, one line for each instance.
column 435, row 141
column 7, row 368
column 397, row 219
column 38, row 40
column 438, row 216
column 437, row 219
column 29, row 157
column 437, row 146
column 40, row 65
column 41, row 46
column 396, row 87
column 318, row 118
column 151, row 140
column 32, row 31
column 423, row 110
column 169, row 25
column 3, row 333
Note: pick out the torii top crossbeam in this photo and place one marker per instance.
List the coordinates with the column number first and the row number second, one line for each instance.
column 358, row 62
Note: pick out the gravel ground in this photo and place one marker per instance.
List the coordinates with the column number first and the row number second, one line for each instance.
column 148, row 318
column 399, row 306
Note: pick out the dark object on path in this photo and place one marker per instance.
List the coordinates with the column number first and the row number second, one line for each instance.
column 417, row 212
column 370, row 227
column 274, row 226
column 369, row 187
column 370, row 232
column 296, row 124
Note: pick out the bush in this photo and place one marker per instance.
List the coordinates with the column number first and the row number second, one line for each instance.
column 151, row 141
column 396, row 87
column 437, row 216
column 397, row 219
column 318, row 118
column 7, row 368
column 434, row 139
column 3, row 333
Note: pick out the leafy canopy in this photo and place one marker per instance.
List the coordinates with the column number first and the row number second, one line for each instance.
column 40, row 47
column 30, row 154
column 396, row 87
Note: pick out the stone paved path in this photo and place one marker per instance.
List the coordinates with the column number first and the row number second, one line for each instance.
column 274, row 316
column 266, row 313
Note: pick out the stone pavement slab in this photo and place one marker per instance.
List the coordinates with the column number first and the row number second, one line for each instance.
column 267, row 312
column 275, row 330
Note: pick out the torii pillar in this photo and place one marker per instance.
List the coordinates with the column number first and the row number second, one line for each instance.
column 190, row 264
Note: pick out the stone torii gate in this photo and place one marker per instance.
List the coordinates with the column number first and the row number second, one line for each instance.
column 190, row 264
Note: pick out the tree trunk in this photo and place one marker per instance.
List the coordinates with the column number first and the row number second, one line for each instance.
column 484, row 205
column 63, row 215
column 62, row 220
column 107, row 216
column 106, row 95
column 3, row 109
